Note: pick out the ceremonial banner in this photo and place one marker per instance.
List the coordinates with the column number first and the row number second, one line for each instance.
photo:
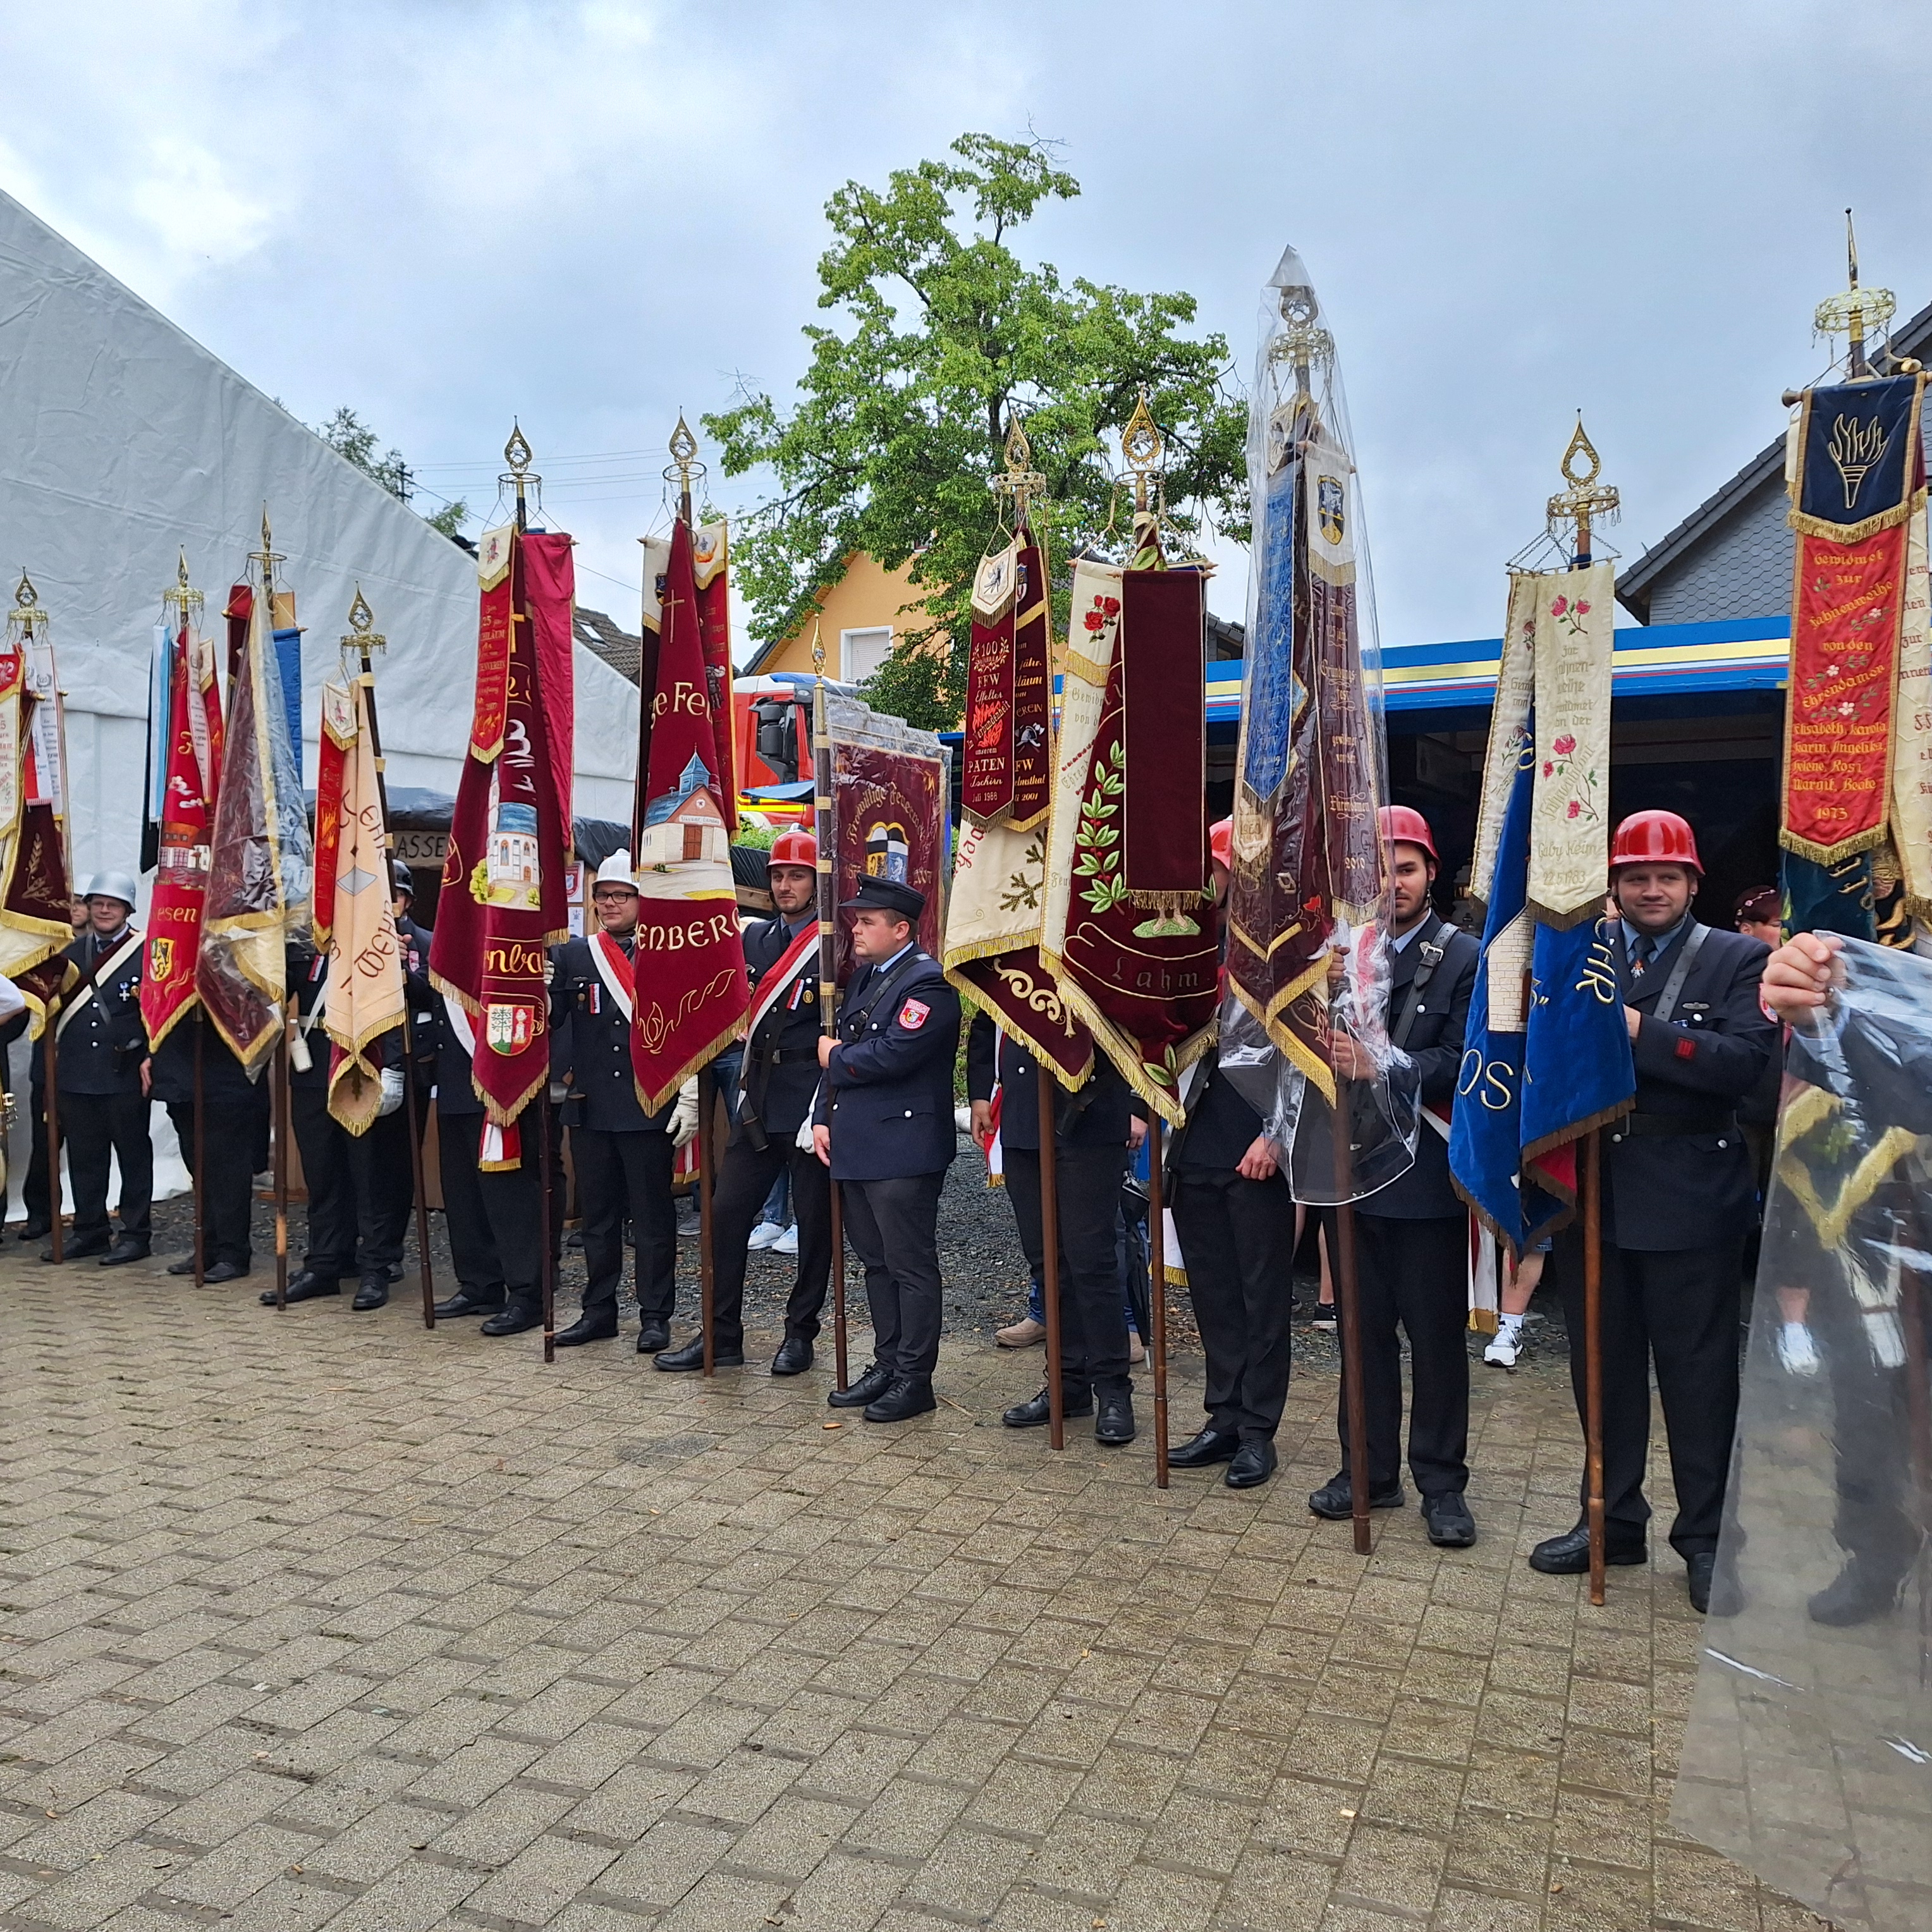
column 502, row 903
column 355, row 917
column 1007, row 776
column 1912, row 746
column 260, row 872
column 1859, row 477
column 692, row 988
column 1509, row 725
column 888, row 814
column 1142, row 978
column 35, row 929
column 998, row 895
column 188, row 738
column 1570, row 833
column 710, row 550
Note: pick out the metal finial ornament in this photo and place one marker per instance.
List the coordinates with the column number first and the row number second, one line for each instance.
column 1019, row 482
column 1303, row 340
column 1141, row 445
column 185, row 599
column 26, row 612
column 517, row 451
column 818, row 646
column 1585, row 500
column 684, row 463
column 1858, row 312
column 363, row 635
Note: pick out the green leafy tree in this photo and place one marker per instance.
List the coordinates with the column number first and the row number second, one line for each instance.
column 947, row 336
column 350, row 437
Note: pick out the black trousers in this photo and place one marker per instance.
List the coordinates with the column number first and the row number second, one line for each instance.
column 1415, row 1273
column 745, row 1178
column 35, row 1195
column 1238, row 1239
column 621, row 1175
column 1092, row 1301
column 226, row 1189
column 496, row 1219
column 1679, row 1307
column 893, row 1226
column 98, row 1125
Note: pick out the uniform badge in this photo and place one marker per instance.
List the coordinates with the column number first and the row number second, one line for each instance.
column 912, row 1015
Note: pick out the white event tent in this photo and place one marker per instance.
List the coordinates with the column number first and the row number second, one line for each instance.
column 123, row 442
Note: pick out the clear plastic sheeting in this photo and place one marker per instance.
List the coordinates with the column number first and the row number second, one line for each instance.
column 1808, row 1756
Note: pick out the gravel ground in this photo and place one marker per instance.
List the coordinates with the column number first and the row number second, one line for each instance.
column 985, row 1273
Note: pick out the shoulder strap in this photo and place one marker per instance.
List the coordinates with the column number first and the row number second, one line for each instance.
column 90, row 985
column 1435, row 945
column 890, row 983
column 1666, row 1001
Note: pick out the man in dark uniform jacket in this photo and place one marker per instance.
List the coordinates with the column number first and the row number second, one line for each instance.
column 623, row 1156
column 1679, row 1199
column 1412, row 1236
column 1235, row 1220
column 1092, row 1129
column 883, row 1125
column 235, row 1118
column 100, row 1051
column 494, row 1218
column 778, row 1076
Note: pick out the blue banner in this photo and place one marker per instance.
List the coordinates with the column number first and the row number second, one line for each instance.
column 288, row 668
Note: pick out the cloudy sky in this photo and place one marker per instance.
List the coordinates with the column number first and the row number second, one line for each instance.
column 592, row 213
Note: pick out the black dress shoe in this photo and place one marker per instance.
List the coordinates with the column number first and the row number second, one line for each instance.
column 126, row 1249
column 1211, row 1446
column 905, row 1396
column 1114, row 1419
column 873, row 1383
column 1569, row 1555
column 513, row 1320
column 1252, row 1466
column 690, row 1356
column 1336, row 1501
column 652, row 1337
column 464, row 1302
column 1450, row 1524
column 1038, row 1412
column 372, row 1291
column 34, row 1230
column 304, row 1286
column 1856, row 1594
column 222, row 1271
column 184, row 1266
column 72, row 1250
column 1698, row 1568
column 588, row 1328
column 793, row 1358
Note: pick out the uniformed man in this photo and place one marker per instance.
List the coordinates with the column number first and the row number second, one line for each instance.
column 1412, row 1236
column 884, row 1126
column 1094, row 1130
column 778, row 1075
column 1235, row 1220
column 235, row 1118
column 353, row 1227
column 621, row 1155
column 100, row 1080
column 495, row 1218
column 1678, row 1201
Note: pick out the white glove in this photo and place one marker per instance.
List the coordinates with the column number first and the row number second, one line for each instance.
column 684, row 1121
column 392, row 1092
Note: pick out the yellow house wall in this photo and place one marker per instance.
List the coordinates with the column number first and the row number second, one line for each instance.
column 867, row 596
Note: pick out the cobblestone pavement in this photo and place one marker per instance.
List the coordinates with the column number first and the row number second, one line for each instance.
column 318, row 1620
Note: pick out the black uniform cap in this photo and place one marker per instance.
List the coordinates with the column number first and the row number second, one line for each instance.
column 405, row 879
column 886, row 896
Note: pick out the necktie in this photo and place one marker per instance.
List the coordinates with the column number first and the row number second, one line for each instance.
column 1646, row 951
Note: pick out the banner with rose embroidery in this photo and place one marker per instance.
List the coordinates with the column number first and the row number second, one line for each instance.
column 1569, row 836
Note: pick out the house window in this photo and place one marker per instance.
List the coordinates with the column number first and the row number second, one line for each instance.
column 863, row 652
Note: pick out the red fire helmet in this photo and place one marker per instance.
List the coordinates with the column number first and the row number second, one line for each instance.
column 1655, row 838
column 1221, row 842
column 1403, row 825
column 793, row 846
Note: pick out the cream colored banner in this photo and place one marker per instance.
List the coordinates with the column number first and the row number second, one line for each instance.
column 1089, row 659
column 1912, row 730
column 1509, row 720
column 998, row 893
column 1569, row 839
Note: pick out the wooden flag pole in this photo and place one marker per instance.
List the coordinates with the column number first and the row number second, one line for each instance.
column 1348, row 1308
column 1590, row 1185
column 200, row 1139
column 1157, row 1290
column 279, row 1073
column 828, row 961
column 50, row 1110
column 1049, row 1233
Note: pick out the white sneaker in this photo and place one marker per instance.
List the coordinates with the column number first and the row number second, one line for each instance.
column 1796, row 1350
column 765, row 1234
column 786, row 1243
column 1505, row 1348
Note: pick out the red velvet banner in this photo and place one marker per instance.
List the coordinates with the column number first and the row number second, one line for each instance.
column 1006, row 774
column 692, row 988
column 503, row 900
column 1164, row 735
column 181, row 877
column 1844, row 682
